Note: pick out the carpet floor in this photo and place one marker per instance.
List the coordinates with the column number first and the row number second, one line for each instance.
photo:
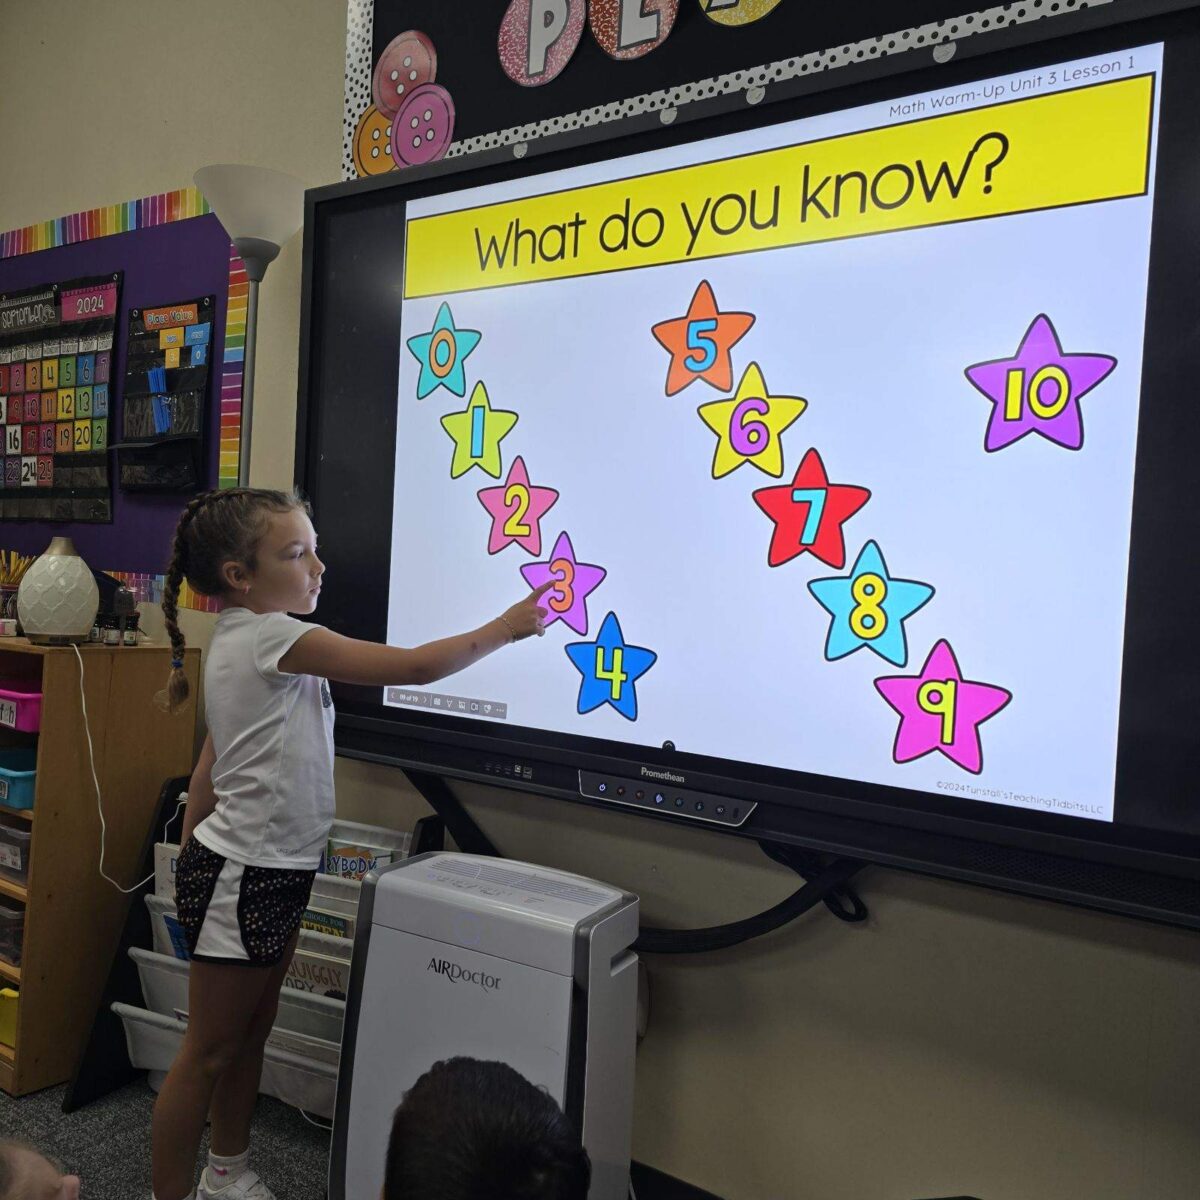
column 107, row 1143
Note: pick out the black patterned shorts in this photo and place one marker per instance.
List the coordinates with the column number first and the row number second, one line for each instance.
column 232, row 913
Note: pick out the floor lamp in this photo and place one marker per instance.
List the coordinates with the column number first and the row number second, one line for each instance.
column 261, row 210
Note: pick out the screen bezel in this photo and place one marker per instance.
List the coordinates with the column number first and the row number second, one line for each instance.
column 368, row 729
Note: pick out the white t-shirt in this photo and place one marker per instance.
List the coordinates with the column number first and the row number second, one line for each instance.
column 273, row 737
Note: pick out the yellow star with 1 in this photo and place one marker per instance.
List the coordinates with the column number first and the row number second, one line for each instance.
column 477, row 432
column 749, row 426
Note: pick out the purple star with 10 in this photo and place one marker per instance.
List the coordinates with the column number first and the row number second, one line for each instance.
column 573, row 583
column 1038, row 390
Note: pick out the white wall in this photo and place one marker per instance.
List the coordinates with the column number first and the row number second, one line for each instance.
column 963, row 1041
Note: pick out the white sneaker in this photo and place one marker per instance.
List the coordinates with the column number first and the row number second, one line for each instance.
column 247, row 1186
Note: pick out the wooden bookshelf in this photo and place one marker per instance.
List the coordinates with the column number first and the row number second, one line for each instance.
column 73, row 917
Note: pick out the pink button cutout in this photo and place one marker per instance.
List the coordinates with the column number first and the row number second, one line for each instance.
column 424, row 127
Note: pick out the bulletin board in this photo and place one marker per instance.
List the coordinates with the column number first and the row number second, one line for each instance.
column 169, row 248
column 707, row 48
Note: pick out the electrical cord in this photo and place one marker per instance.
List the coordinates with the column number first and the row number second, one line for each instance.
column 828, row 884
column 318, row 1124
column 87, row 729
column 805, row 864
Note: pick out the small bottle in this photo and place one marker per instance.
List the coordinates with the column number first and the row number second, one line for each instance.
column 109, row 631
column 131, row 629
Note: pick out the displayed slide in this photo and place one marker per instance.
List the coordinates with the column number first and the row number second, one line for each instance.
column 824, row 434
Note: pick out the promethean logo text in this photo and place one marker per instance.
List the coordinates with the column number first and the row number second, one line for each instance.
column 457, row 974
column 664, row 775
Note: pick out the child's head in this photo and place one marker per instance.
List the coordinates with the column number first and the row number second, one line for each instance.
column 26, row 1175
column 251, row 546
column 471, row 1130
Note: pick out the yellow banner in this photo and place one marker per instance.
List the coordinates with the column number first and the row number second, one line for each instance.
column 1073, row 147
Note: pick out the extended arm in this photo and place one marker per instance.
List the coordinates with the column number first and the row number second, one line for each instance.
column 348, row 660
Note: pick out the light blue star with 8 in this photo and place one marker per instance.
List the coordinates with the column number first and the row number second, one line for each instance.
column 441, row 353
column 869, row 608
column 609, row 667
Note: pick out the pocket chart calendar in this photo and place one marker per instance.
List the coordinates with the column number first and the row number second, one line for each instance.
column 56, row 350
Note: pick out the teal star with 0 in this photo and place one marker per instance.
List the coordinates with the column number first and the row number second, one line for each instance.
column 869, row 608
column 441, row 353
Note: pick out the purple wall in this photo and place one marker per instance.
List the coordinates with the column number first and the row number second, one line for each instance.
column 165, row 263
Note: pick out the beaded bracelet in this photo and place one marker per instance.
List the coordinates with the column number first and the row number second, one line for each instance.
column 511, row 630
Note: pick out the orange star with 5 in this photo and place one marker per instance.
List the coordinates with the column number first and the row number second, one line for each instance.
column 699, row 343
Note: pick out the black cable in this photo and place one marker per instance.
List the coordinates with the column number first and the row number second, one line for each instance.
column 826, row 883
column 805, row 863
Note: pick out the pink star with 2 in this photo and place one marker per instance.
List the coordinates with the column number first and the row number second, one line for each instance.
column 517, row 508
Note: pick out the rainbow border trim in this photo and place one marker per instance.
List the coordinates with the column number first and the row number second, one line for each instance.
column 100, row 222
column 148, row 589
column 161, row 209
column 231, row 371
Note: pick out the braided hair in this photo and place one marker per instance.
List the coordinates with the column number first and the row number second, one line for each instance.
column 217, row 527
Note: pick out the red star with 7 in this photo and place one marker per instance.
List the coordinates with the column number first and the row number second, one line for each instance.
column 809, row 514
column 700, row 342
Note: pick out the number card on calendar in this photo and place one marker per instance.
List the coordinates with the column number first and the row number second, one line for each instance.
column 166, row 390
column 56, row 351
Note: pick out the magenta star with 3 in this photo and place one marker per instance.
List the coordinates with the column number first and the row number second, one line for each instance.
column 1038, row 390
column 573, row 582
column 940, row 710
column 517, row 508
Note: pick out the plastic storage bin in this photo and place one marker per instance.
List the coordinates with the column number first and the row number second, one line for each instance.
column 354, row 849
column 8, row 1016
column 18, row 773
column 169, row 937
column 14, row 852
column 12, row 932
column 302, row 1016
column 20, row 709
column 153, row 1042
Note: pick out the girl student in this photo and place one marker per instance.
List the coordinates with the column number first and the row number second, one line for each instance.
column 260, row 803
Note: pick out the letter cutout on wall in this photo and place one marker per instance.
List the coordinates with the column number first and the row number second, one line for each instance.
column 538, row 38
column 737, row 12
column 630, row 28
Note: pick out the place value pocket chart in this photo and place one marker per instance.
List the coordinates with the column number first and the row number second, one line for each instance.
column 166, row 386
column 56, row 351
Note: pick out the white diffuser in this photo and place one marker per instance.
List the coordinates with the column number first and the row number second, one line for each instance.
column 58, row 599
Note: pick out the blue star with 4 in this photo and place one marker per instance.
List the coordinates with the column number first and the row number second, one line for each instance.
column 609, row 667
column 441, row 353
column 869, row 608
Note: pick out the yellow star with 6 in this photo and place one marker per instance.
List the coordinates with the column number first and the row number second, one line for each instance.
column 477, row 432
column 749, row 426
